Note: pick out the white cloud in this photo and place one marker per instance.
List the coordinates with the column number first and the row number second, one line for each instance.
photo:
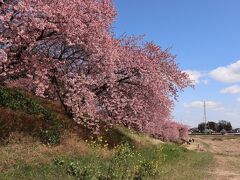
column 227, row 74
column 238, row 99
column 199, row 104
column 205, row 81
column 235, row 89
column 212, row 105
column 195, row 76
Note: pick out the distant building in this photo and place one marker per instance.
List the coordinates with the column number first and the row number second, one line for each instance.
column 208, row 131
column 193, row 130
column 237, row 130
column 223, row 131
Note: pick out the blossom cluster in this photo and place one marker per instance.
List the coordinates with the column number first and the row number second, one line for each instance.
column 65, row 50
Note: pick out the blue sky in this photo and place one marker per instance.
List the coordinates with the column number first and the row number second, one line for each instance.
column 205, row 36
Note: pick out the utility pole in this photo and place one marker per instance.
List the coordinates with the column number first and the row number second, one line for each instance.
column 204, row 115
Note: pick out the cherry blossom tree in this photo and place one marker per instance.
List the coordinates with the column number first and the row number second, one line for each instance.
column 65, row 50
column 3, row 60
column 46, row 40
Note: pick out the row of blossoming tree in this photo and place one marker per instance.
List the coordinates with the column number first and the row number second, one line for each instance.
column 65, row 50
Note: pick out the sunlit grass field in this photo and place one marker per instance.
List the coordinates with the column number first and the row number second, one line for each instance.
column 76, row 159
column 39, row 142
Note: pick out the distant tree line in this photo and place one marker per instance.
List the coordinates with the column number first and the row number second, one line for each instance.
column 217, row 127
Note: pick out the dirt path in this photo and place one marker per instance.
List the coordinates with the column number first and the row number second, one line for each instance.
column 226, row 152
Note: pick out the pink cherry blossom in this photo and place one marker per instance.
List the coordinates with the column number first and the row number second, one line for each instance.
column 65, row 50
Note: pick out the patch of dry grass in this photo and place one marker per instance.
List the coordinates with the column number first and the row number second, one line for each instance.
column 22, row 147
column 226, row 151
column 140, row 139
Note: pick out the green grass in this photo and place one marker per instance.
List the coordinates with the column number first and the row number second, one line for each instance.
column 119, row 154
column 43, row 122
column 165, row 161
column 187, row 165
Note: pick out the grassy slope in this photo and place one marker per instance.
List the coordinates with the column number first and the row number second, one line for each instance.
column 24, row 156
